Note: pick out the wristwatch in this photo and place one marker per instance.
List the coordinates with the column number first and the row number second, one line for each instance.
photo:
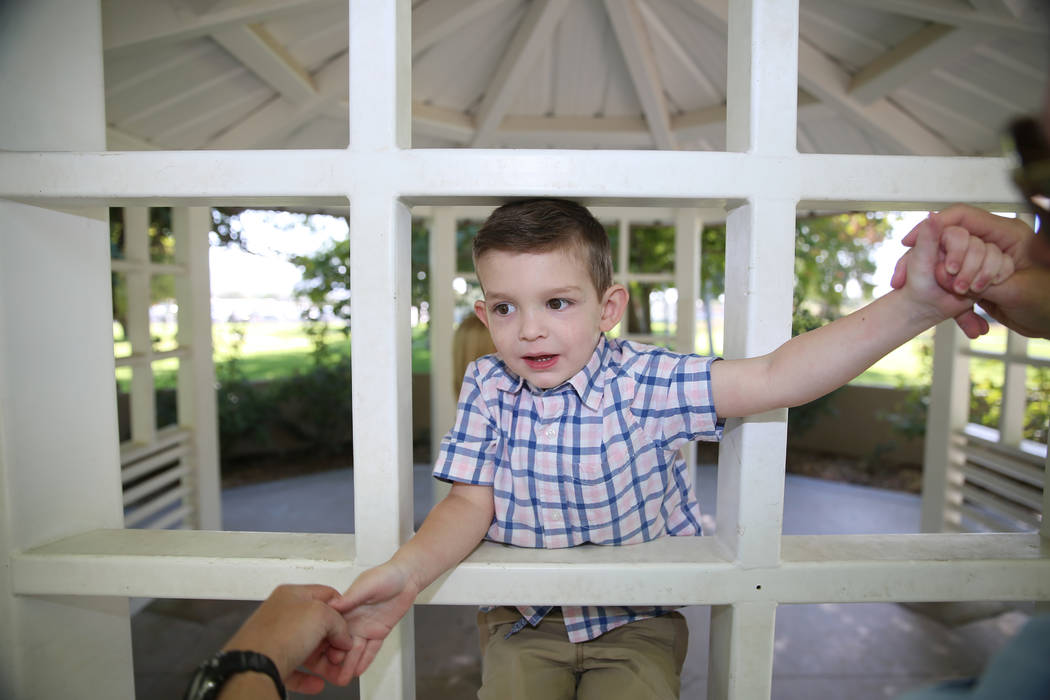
column 213, row 673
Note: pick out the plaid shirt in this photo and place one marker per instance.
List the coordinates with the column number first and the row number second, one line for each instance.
column 594, row 460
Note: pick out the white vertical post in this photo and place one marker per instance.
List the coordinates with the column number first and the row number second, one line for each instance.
column 196, row 384
column 442, row 303
column 739, row 678
column 380, row 233
column 948, row 412
column 762, row 91
column 687, row 283
column 1015, row 395
column 687, row 227
column 56, row 363
column 142, row 407
column 623, row 263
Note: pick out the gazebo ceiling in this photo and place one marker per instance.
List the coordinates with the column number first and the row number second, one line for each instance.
column 928, row 77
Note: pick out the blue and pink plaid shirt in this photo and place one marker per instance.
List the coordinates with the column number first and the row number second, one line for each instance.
column 594, row 460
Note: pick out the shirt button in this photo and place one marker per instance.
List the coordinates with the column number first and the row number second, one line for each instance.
column 551, row 432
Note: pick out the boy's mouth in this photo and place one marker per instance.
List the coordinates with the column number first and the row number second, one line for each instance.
column 540, row 362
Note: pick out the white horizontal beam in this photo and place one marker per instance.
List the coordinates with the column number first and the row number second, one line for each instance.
column 469, row 176
column 692, row 570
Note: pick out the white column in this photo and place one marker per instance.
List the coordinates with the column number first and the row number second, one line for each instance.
column 947, row 414
column 1015, row 394
column 739, row 678
column 59, row 462
column 381, row 365
column 761, row 119
column 142, row 398
column 442, row 303
column 196, row 385
column 687, row 227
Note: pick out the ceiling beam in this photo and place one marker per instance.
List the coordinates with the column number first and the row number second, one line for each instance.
column 667, row 38
column 442, row 123
column 433, row 21
column 532, row 37
column 631, row 34
column 829, row 82
column 1010, row 7
column 261, row 54
column 953, row 13
column 280, row 116
column 130, row 23
column 917, row 55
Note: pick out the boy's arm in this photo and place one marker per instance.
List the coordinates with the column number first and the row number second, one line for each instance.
column 814, row 363
column 381, row 596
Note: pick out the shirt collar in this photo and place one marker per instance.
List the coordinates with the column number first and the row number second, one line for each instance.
column 589, row 382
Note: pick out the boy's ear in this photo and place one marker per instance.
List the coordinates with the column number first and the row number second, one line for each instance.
column 481, row 312
column 614, row 303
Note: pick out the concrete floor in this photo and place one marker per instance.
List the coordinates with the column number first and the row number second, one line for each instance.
column 858, row 651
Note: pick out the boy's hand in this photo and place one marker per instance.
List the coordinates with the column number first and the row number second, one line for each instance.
column 372, row 606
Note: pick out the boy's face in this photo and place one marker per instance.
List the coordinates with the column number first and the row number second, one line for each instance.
column 544, row 313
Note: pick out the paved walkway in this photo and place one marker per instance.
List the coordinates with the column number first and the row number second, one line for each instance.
column 856, row 652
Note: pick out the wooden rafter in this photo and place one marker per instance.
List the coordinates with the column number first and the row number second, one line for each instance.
column 918, row 54
column 532, row 37
column 629, row 28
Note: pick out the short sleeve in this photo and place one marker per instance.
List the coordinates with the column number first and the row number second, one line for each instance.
column 468, row 451
column 689, row 413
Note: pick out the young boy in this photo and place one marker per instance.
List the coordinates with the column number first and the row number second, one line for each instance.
column 565, row 437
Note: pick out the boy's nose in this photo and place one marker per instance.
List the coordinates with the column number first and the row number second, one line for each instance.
column 532, row 326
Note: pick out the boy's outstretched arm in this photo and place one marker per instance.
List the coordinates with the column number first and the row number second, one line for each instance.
column 814, row 363
column 381, row 596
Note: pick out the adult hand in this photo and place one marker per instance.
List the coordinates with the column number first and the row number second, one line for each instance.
column 1020, row 302
column 295, row 626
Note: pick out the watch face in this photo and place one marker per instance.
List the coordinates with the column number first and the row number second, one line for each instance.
column 205, row 685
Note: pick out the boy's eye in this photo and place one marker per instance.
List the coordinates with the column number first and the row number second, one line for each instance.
column 502, row 309
column 558, row 304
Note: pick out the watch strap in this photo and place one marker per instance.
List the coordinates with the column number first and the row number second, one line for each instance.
column 212, row 674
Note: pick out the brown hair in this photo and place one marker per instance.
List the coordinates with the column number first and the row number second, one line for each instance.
column 543, row 225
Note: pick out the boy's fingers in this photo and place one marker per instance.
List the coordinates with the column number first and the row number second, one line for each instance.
column 993, row 262
column 955, row 242
column 971, row 265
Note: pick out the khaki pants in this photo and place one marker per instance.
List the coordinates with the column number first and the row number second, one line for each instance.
column 638, row 661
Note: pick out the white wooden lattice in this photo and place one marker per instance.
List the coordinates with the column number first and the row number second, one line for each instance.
column 66, row 540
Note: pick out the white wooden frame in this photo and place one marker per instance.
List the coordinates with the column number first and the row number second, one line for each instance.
column 71, row 564
column 186, row 493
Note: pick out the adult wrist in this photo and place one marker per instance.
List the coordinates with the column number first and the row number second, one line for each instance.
column 213, row 675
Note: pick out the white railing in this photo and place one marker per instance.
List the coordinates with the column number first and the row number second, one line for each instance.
column 62, row 519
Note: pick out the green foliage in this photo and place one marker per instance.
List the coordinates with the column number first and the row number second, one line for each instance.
column 244, row 407
column 831, row 251
column 326, row 277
